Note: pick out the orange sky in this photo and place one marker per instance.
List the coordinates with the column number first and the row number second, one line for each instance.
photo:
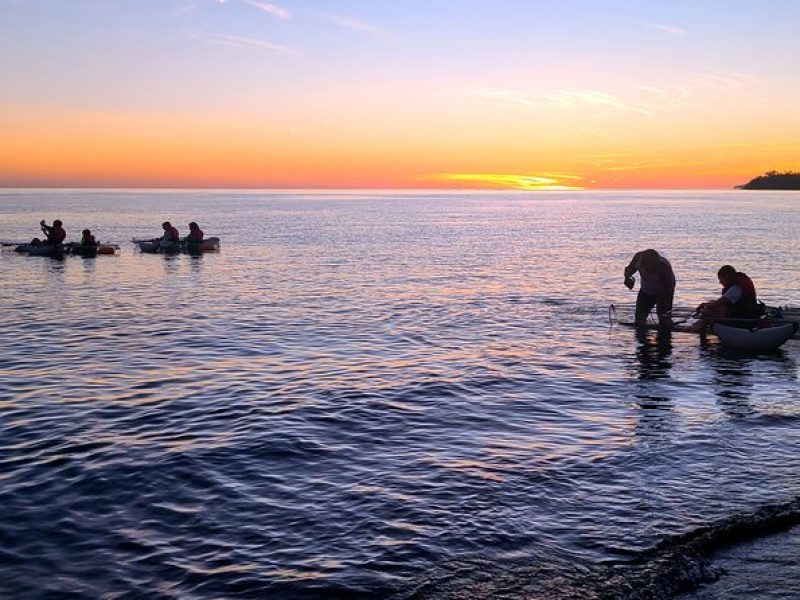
column 671, row 107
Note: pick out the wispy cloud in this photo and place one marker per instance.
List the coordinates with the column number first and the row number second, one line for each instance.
column 567, row 99
column 185, row 9
column 354, row 24
column 273, row 9
column 627, row 161
column 668, row 29
column 244, row 42
column 537, row 181
column 723, row 81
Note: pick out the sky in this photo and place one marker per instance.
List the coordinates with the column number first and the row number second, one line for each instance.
column 507, row 94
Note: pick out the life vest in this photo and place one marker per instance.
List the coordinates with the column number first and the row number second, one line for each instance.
column 172, row 235
column 195, row 236
column 88, row 240
column 748, row 289
column 57, row 235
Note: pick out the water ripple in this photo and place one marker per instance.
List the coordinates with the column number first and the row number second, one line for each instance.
column 414, row 395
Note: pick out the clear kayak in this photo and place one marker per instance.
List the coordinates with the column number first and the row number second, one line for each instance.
column 682, row 318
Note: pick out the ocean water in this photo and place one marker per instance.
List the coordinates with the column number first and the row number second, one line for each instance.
column 386, row 395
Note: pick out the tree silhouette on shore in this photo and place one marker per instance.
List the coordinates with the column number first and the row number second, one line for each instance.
column 774, row 180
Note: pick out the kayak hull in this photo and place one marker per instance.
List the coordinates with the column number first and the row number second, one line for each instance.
column 765, row 339
column 49, row 250
column 85, row 251
column 158, row 247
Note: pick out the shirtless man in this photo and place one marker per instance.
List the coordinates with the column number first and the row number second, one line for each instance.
column 657, row 287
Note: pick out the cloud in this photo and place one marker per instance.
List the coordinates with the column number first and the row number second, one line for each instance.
column 354, row 24
column 273, row 9
column 668, row 29
column 565, row 99
column 244, row 42
column 186, row 9
column 538, row 181
column 723, row 81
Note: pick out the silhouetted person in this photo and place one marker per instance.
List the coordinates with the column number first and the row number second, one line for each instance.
column 195, row 234
column 738, row 300
column 54, row 235
column 171, row 235
column 87, row 239
column 657, row 286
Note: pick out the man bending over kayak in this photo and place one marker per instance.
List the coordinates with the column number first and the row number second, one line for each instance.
column 657, row 286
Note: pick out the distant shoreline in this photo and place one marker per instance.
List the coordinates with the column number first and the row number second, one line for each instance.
column 773, row 180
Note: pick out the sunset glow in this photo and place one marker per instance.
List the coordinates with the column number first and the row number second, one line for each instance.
column 528, row 95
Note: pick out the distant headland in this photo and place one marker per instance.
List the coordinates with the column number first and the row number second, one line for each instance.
column 773, row 180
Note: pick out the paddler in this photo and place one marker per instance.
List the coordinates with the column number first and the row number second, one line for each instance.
column 195, row 234
column 738, row 300
column 87, row 239
column 55, row 235
column 657, row 286
column 171, row 235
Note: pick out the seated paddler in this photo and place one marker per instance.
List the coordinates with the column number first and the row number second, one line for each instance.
column 195, row 234
column 171, row 235
column 87, row 239
column 54, row 235
column 738, row 303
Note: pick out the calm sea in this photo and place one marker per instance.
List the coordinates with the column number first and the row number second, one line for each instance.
column 373, row 395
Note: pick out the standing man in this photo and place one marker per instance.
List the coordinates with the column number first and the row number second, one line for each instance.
column 657, row 286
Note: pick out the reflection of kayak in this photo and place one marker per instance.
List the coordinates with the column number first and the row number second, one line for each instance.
column 766, row 338
column 51, row 250
column 156, row 246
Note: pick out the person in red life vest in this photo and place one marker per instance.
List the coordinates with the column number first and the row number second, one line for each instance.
column 738, row 301
column 55, row 234
column 195, row 234
column 87, row 239
column 171, row 235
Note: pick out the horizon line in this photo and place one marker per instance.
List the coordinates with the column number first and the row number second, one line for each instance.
column 368, row 189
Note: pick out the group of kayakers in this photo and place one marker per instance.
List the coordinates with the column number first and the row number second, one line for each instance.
column 738, row 300
column 55, row 235
column 171, row 234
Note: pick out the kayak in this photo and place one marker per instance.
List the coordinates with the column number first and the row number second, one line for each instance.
column 786, row 314
column 739, row 337
column 84, row 251
column 764, row 339
column 50, row 250
column 92, row 251
column 209, row 245
column 157, row 246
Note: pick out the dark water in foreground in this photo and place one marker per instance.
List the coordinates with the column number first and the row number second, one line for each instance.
column 368, row 395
